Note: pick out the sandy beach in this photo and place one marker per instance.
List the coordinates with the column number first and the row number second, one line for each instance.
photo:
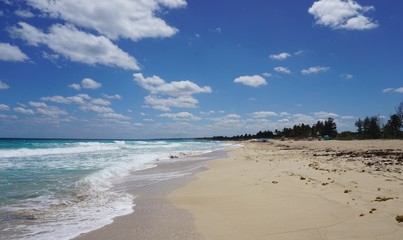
column 299, row 190
column 278, row 190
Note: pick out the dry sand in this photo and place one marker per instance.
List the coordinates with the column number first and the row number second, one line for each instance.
column 299, row 190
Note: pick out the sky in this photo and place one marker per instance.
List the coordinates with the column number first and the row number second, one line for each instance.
column 144, row 69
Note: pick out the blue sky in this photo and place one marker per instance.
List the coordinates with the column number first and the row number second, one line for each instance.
column 176, row 68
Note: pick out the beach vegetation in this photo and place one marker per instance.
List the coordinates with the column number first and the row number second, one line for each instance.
column 370, row 127
column 373, row 128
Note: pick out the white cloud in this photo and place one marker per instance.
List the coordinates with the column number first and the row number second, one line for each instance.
column 313, row 70
column 347, row 76
column 252, row 81
column 85, row 103
column 133, row 19
column 100, row 101
column 207, row 113
column 51, row 57
column 179, row 93
column 37, row 104
column 3, row 85
column 342, row 14
column 156, row 85
column 76, row 45
column 115, row 116
column 303, row 118
column 323, row 114
column 282, row 70
column 165, row 104
column 41, row 108
column 280, row 56
column 78, row 99
column 232, row 116
column 88, row 83
column 183, row 116
column 4, row 107
column 75, row 86
column 396, row 90
column 264, row 114
column 116, row 96
column 24, row 13
column 23, row 110
column 51, row 111
column 11, row 53
column 267, row 74
column 96, row 108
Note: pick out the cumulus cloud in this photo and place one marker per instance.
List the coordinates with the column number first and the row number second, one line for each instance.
column 51, row 111
column 100, row 101
column 342, row 14
column 41, row 109
column 3, row 85
column 177, row 93
column 85, row 103
column 313, row 70
column 23, row 110
column 116, row 96
column 280, row 56
column 113, row 116
column 96, row 108
column 132, row 19
column 76, row 45
column 11, row 53
column 282, row 70
column 75, row 86
column 182, row 116
column 78, row 99
column 303, row 118
column 24, row 13
column 4, row 107
column 165, row 104
column 37, row 104
column 264, row 114
column 88, row 83
column 156, row 85
column 251, row 81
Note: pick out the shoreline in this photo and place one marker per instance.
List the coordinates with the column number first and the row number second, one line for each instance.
column 299, row 190
column 154, row 216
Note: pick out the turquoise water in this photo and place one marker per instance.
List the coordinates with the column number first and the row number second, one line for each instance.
column 61, row 188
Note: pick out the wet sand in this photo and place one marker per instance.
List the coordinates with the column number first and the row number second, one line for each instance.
column 154, row 216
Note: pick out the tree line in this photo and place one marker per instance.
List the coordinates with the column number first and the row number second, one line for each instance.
column 370, row 127
column 300, row 131
column 373, row 128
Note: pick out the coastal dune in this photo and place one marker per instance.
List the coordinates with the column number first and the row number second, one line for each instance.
column 299, row 190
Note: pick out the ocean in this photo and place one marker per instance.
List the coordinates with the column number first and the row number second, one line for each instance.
column 57, row 189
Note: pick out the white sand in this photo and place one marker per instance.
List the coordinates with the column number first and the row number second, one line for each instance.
column 298, row 190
